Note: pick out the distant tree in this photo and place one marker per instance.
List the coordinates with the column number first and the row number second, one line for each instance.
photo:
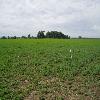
column 80, row 37
column 55, row 34
column 8, row 37
column 23, row 37
column 14, row 37
column 48, row 35
column 3, row 37
column 41, row 34
column 29, row 36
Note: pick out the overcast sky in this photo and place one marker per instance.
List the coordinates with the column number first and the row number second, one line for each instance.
column 73, row 17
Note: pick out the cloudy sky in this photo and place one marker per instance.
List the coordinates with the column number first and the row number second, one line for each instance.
column 72, row 17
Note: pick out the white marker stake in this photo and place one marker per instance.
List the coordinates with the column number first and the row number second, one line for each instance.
column 70, row 54
column 70, row 50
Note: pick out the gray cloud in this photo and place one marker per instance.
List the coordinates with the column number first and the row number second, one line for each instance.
column 73, row 17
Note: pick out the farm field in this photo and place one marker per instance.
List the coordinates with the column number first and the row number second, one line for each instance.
column 49, row 69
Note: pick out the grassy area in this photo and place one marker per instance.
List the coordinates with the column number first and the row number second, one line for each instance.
column 42, row 69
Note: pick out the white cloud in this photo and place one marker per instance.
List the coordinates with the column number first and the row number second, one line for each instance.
column 77, row 17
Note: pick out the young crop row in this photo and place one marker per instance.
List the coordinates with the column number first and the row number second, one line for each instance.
column 51, row 68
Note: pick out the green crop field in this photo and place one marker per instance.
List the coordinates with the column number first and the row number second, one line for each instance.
column 49, row 69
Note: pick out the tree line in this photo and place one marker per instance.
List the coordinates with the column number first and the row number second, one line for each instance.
column 52, row 34
column 40, row 35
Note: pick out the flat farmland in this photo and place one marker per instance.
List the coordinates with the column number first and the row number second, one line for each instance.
column 49, row 69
